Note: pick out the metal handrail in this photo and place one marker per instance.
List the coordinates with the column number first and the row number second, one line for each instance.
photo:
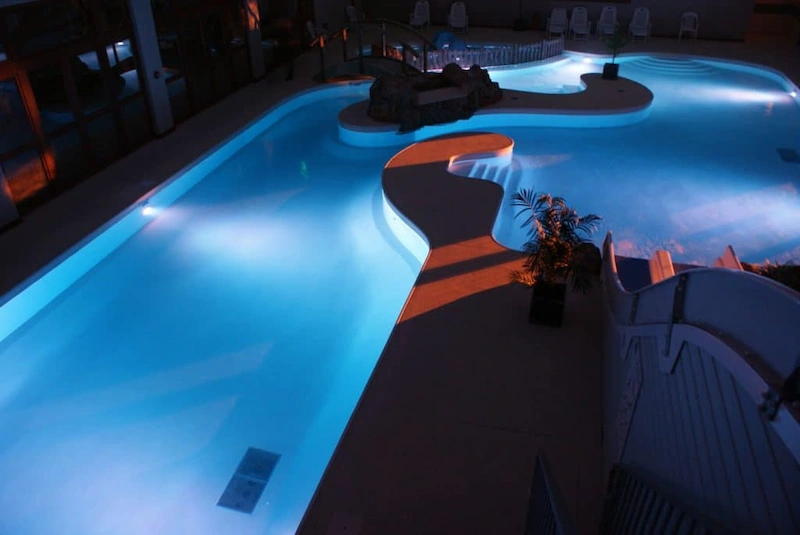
column 406, row 27
column 322, row 41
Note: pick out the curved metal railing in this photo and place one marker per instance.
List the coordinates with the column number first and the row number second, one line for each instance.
column 427, row 56
column 405, row 27
column 322, row 41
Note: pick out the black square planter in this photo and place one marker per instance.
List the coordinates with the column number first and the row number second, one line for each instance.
column 547, row 304
column 610, row 71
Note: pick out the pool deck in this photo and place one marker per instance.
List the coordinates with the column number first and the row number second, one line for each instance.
column 445, row 437
column 467, row 391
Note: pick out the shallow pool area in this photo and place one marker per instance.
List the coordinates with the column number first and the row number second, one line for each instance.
column 246, row 303
column 249, row 313
column 706, row 169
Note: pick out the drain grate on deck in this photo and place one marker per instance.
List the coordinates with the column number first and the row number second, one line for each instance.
column 789, row 155
column 249, row 481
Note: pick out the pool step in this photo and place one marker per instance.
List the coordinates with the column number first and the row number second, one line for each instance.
column 506, row 176
column 673, row 66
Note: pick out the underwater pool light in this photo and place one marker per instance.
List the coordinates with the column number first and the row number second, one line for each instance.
column 147, row 210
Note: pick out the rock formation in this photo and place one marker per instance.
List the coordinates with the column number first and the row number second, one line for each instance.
column 418, row 99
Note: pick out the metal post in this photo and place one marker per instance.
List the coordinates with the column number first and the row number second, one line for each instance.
column 360, row 50
column 148, row 57
column 322, row 58
column 383, row 38
column 344, row 44
column 678, row 300
column 255, row 50
column 424, row 57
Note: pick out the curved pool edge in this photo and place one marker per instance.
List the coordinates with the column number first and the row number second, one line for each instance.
column 623, row 101
column 407, row 233
column 30, row 296
column 723, row 63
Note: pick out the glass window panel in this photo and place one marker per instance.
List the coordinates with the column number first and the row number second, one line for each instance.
column 103, row 138
column 70, row 162
column 200, row 85
column 214, row 33
column 25, row 175
column 47, row 25
column 241, row 66
column 137, row 121
column 121, row 56
column 222, row 78
column 176, row 87
column 115, row 14
column 16, row 130
column 193, row 50
column 168, row 46
column 91, row 83
column 51, row 96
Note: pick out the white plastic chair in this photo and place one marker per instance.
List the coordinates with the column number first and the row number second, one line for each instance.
column 457, row 19
column 607, row 23
column 421, row 17
column 557, row 22
column 640, row 24
column 690, row 23
column 579, row 24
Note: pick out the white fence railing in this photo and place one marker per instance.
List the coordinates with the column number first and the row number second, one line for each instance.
column 687, row 362
column 760, row 314
column 750, row 323
column 492, row 55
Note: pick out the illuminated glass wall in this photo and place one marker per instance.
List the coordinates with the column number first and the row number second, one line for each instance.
column 70, row 97
column 71, row 91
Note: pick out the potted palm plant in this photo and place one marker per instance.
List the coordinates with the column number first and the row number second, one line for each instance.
column 558, row 250
column 615, row 42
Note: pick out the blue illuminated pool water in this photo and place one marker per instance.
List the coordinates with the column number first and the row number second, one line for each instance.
column 251, row 311
column 701, row 172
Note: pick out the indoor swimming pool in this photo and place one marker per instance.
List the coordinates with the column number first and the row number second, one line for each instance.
column 714, row 164
column 246, row 303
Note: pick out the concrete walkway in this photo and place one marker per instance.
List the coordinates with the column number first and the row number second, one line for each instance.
column 466, row 392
